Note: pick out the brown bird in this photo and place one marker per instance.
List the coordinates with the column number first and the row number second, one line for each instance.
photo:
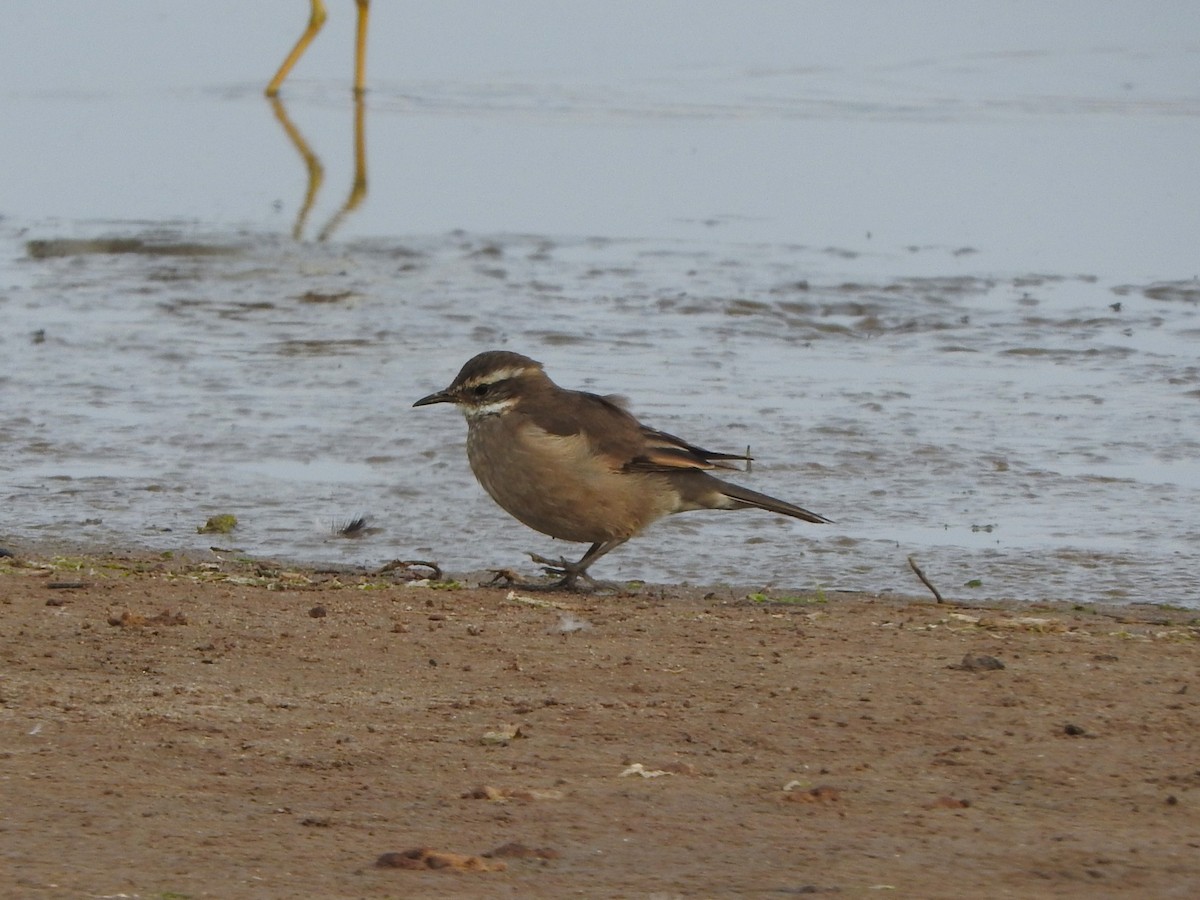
column 316, row 21
column 578, row 466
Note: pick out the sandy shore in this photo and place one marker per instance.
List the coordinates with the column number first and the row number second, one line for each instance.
column 217, row 729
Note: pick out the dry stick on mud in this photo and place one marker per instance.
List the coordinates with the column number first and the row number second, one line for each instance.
column 925, row 581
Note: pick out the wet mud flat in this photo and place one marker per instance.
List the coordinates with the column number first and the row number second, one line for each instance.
column 207, row 728
column 999, row 427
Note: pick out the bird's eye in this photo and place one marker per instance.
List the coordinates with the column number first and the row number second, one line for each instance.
column 480, row 390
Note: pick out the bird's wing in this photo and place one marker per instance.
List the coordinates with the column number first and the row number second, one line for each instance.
column 614, row 433
column 662, row 452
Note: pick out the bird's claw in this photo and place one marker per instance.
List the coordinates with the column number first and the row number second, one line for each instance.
column 552, row 566
column 567, row 572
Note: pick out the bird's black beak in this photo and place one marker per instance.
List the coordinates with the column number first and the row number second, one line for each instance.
column 439, row 397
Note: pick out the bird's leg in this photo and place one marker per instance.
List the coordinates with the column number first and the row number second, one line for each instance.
column 360, row 49
column 573, row 571
column 315, row 21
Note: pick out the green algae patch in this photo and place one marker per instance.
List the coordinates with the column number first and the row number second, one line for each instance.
column 222, row 524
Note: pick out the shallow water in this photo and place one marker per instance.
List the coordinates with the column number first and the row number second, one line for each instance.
column 949, row 300
column 1035, row 433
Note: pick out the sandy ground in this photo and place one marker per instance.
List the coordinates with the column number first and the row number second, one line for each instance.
column 177, row 729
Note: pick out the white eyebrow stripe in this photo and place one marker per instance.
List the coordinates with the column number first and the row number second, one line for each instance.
column 497, row 375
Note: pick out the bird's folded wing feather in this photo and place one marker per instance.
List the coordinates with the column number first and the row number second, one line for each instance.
column 662, row 452
column 631, row 446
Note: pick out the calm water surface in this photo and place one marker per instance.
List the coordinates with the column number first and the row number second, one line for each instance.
column 943, row 285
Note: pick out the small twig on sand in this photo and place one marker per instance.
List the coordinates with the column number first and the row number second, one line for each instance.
column 912, row 563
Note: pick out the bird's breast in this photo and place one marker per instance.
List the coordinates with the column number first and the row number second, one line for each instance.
column 559, row 485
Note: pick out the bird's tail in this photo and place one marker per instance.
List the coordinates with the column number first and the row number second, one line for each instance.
column 740, row 497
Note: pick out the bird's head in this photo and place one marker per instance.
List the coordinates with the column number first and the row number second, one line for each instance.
column 490, row 383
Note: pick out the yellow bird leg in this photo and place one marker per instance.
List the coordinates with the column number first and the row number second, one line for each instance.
column 315, row 21
column 360, row 49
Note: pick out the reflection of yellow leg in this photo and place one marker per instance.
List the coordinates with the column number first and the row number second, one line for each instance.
column 316, row 172
column 315, row 21
column 360, row 49
column 358, row 190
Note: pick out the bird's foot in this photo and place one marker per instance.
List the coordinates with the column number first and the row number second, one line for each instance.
column 569, row 577
column 570, row 574
column 510, row 579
